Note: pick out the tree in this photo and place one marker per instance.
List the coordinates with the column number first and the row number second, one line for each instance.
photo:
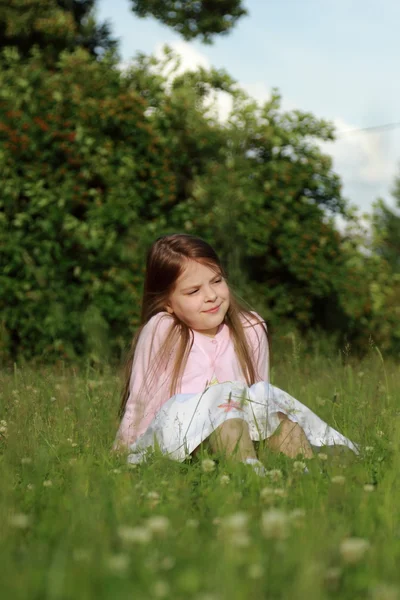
column 193, row 18
column 52, row 26
column 85, row 175
column 387, row 230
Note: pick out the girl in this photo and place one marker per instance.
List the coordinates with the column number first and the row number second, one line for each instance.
column 198, row 368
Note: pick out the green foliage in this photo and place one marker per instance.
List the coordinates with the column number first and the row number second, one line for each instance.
column 52, row 26
column 84, row 171
column 97, row 163
column 193, row 18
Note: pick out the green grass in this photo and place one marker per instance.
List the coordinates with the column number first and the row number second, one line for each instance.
column 87, row 535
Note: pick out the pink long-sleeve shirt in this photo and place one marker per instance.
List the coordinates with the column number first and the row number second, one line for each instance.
column 210, row 360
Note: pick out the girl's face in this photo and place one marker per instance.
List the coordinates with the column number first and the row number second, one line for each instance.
column 200, row 298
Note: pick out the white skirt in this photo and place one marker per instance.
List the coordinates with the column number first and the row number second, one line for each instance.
column 185, row 420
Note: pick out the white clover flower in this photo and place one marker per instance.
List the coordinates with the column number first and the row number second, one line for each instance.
column 81, row 555
column 332, row 577
column 274, row 524
column 384, row 591
column 369, row 487
column 235, row 522
column 224, row 479
column 369, row 449
column 161, row 589
column 19, row 521
column 192, row 523
column 352, row 550
column 159, row 524
column 299, row 466
column 275, row 474
column 167, row 563
column 47, row 483
column 267, row 494
column 297, row 516
column 118, row 563
column 208, row 465
column 339, row 479
column 134, row 535
column 30, row 486
column 322, row 456
column 255, row 571
column 26, row 460
column 153, row 495
column 239, row 539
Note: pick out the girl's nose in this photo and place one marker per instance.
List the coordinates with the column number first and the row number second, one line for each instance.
column 211, row 295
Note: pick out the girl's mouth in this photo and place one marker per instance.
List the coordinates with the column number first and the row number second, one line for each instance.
column 213, row 310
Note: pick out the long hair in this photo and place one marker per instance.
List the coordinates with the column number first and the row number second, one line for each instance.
column 165, row 263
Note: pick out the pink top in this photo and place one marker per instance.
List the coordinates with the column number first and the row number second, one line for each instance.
column 210, row 359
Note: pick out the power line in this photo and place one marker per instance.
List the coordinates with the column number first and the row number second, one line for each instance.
column 386, row 127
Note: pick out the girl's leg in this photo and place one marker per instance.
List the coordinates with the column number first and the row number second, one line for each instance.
column 290, row 439
column 232, row 438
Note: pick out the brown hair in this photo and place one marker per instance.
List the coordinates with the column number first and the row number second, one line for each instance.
column 165, row 263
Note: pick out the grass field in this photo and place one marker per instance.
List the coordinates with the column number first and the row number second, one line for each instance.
column 77, row 523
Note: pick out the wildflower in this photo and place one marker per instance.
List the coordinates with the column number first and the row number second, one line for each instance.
column 353, row 549
column 275, row 474
column 322, row 456
column 383, row 591
column 369, row 449
column 256, row 571
column 167, row 563
column 19, row 521
column 297, row 516
column 118, row 563
column 380, row 433
column 280, row 492
column 299, row 466
column 368, row 487
column 208, row 465
column 321, row 401
column 332, row 577
column 53, row 399
column 192, row 523
column 30, row 486
column 236, row 522
column 81, row 555
column 26, row 460
column 47, row 483
column 267, row 494
column 153, row 495
column 160, row 589
column 339, row 479
column 3, row 428
column 224, row 479
column 139, row 535
column 158, row 525
column 154, row 498
column 274, row 524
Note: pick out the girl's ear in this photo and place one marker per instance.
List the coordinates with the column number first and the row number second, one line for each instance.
column 169, row 309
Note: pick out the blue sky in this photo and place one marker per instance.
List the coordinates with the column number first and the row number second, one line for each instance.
column 337, row 59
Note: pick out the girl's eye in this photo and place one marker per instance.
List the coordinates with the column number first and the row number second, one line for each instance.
column 191, row 293
column 218, row 280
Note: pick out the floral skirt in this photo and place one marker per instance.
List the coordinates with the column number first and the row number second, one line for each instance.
column 185, row 420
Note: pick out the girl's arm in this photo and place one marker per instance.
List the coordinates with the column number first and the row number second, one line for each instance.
column 147, row 390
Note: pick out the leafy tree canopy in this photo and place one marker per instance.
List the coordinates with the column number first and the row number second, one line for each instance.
column 53, row 26
column 193, row 18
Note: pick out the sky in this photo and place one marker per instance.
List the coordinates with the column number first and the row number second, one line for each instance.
column 337, row 59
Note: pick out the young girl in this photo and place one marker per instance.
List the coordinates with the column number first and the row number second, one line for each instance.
column 198, row 368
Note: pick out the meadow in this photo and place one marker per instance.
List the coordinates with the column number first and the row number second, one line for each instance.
column 77, row 522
